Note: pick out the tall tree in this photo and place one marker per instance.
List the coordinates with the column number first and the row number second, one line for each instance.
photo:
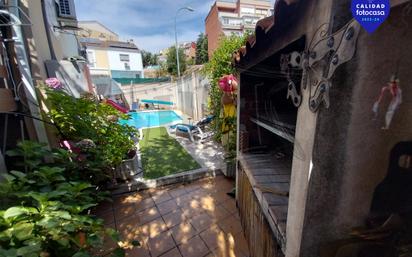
column 149, row 59
column 201, row 49
column 171, row 61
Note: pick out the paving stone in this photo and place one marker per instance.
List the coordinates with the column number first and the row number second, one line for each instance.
column 183, row 232
column 183, row 199
column 138, row 252
column 174, row 218
column 172, row 253
column 230, row 225
column 213, row 237
column 230, row 206
column 195, row 247
column 175, row 192
column 124, row 211
column 153, row 228
column 166, row 207
column 202, row 222
column 218, row 213
column 144, row 204
column 148, row 215
column 161, row 197
column 161, row 244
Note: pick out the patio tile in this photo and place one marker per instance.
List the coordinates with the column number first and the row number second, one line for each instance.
column 231, row 247
column 141, row 251
column 208, row 203
column 192, row 209
column 160, row 197
column 224, row 185
column 199, row 194
column 107, row 217
column 241, row 243
column 218, row 213
column 153, row 228
column 161, row 244
column 213, row 237
column 221, row 196
column 174, row 218
column 172, row 253
column 124, row 211
column 230, row 206
column 230, row 225
column 195, row 247
column 183, row 232
column 183, row 199
column 178, row 191
column 125, row 200
column 144, row 204
column 202, row 222
column 167, row 207
column 227, row 252
column 193, row 187
column 129, row 228
column 148, row 215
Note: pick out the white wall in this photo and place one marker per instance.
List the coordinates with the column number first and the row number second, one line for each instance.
column 150, row 91
column 65, row 43
column 136, row 62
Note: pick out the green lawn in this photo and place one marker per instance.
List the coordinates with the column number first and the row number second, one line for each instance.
column 162, row 155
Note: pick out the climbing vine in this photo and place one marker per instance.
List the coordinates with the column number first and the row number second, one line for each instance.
column 220, row 64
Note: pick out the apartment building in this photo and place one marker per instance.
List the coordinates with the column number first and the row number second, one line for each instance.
column 228, row 17
column 109, row 57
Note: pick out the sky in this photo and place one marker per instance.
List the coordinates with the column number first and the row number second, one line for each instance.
column 150, row 23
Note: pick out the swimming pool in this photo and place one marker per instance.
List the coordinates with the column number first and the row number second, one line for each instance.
column 149, row 119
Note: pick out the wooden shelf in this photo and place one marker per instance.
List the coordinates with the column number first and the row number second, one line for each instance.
column 275, row 129
column 266, row 171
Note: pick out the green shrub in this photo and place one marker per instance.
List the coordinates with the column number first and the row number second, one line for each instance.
column 85, row 118
column 220, row 64
column 43, row 213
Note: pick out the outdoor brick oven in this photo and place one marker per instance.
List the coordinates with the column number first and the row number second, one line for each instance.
column 317, row 157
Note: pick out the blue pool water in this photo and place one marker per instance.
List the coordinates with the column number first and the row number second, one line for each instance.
column 151, row 119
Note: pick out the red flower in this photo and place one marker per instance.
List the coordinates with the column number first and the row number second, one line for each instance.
column 228, row 83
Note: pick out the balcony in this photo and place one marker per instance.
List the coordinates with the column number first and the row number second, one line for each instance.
column 231, row 23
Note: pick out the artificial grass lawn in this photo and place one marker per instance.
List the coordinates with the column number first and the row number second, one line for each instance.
column 162, row 155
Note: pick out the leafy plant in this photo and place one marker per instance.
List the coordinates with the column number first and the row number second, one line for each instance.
column 84, row 118
column 220, row 64
column 43, row 213
column 202, row 55
column 171, row 61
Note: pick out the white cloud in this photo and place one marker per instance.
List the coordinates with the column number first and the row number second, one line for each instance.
column 155, row 43
column 149, row 23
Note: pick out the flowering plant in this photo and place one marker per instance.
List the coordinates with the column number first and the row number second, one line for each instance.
column 228, row 83
column 54, row 83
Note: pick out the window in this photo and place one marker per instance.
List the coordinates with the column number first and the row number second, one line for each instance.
column 91, row 57
column 126, row 66
column 66, row 8
column 247, row 10
column 124, row 58
column 261, row 11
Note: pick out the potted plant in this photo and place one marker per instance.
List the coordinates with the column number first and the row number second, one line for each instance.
column 129, row 167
